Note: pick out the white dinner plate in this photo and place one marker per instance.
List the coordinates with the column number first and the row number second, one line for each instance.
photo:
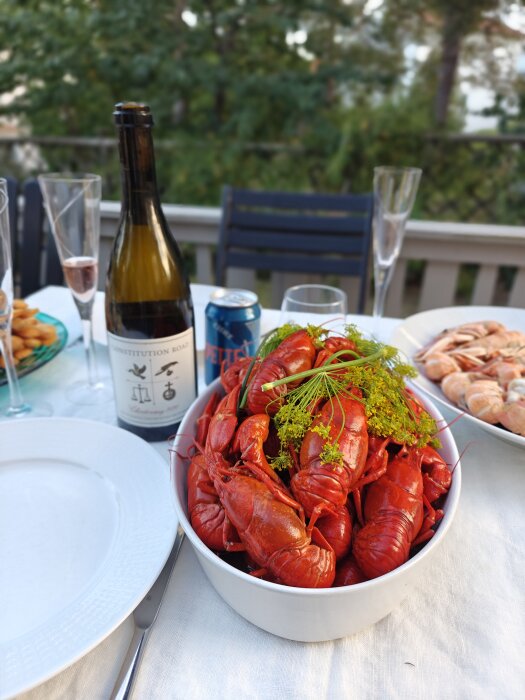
column 86, row 524
column 417, row 330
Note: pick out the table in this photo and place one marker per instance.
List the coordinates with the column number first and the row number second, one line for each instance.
column 459, row 634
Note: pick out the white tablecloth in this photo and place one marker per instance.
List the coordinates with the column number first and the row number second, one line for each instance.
column 459, row 634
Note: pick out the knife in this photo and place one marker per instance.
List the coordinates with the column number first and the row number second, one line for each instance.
column 144, row 616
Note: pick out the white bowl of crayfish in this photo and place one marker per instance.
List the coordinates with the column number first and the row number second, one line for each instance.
column 290, row 578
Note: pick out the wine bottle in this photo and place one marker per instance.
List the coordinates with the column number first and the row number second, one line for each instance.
column 149, row 309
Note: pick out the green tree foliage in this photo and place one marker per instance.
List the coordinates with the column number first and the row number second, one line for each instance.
column 454, row 22
column 281, row 94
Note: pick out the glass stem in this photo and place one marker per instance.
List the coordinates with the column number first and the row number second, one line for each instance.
column 89, row 347
column 16, row 401
column 85, row 310
column 382, row 279
column 382, row 276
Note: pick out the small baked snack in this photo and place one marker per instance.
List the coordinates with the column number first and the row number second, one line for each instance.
column 28, row 333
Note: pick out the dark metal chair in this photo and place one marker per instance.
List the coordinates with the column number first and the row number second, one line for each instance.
column 12, row 194
column 38, row 261
column 323, row 234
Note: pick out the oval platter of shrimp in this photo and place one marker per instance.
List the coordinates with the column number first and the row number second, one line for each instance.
column 36, row 338
column 472, row 360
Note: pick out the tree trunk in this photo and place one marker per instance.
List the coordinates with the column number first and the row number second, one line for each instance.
column 450, row 50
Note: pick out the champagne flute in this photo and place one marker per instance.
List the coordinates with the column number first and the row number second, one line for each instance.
column 315, row 303
column 72, row 203
column 18, row 408
column 395, row 191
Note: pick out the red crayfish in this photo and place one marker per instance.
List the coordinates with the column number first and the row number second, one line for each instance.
column 269, row 524
column 398, row 511
column 324, row 521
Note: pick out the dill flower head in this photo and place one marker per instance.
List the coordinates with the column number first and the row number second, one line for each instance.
column 380, row 375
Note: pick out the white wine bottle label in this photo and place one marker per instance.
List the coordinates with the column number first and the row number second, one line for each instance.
column 154, row 380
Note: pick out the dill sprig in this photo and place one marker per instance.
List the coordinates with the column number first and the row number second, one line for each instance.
column 294, row 417
column 274, row 338
column 389, row 413
column 269, row 342
column 379, row 374
column 324, row 369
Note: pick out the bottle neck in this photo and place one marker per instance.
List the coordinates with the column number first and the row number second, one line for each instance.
column 137, row 162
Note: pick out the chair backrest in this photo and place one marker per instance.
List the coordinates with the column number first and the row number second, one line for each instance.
column 39, row 263
column 12, row 193
column 326, row 234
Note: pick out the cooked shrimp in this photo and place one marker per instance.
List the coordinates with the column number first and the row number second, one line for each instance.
column 438, row 364
column 454, row 387
column 512, row 415
column 484, row 399
column 468, row 360
column 490, row 344
column 504, row 370
column 516, row 390
column 481, row 369
column 452, row 337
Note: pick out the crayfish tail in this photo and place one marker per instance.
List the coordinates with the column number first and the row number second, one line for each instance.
column 308, row 566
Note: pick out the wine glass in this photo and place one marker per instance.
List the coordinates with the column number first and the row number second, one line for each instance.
column 315, row 303
column 395, row 190
column 17, row 408
column 72, row 203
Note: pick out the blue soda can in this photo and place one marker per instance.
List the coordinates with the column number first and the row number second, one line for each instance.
column 233, row 323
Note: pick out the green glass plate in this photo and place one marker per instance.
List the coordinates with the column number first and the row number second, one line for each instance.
column 42, row 354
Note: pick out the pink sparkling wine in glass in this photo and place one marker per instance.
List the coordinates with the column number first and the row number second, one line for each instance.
column 81, row 274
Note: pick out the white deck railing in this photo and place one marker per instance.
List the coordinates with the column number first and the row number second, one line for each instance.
column 443, row 247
